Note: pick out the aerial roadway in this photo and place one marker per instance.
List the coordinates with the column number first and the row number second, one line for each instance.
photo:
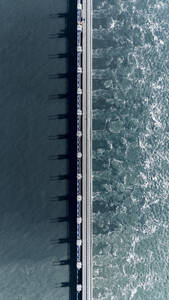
column 84, row 24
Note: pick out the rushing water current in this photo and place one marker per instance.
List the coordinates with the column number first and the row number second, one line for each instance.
column 131, row 149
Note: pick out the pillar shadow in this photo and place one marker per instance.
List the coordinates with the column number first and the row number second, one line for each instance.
column 69, row 33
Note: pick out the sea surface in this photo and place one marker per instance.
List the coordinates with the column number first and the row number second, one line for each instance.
column 34, row 248
column 131, row 150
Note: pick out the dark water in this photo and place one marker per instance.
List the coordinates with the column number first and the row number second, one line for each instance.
column 130, row 149
column 34, row 166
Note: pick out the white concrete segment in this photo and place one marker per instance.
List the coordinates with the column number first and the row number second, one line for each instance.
column 87, row 151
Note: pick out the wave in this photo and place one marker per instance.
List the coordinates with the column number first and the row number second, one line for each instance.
column 130, row 149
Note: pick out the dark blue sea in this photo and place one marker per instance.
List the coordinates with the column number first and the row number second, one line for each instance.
column 131, row 150
column 35, row 192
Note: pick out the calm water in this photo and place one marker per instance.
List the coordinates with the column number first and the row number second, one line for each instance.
column 130, row 149
column 32, row 267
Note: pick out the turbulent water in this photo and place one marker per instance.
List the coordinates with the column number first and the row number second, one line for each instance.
column 130, row 149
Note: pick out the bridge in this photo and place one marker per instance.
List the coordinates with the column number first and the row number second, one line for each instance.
column 84, row 149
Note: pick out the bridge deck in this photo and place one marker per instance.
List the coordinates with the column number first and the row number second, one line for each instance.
column 84, row 94
column 87, row 154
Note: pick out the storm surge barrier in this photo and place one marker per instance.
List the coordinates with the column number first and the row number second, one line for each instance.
column 84, row 150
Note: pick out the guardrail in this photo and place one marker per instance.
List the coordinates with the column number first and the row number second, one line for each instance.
column 79, row 150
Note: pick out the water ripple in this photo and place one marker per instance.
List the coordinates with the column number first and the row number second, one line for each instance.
column 130, row 149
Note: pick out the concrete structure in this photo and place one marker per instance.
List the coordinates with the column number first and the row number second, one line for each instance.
column 84, row 146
